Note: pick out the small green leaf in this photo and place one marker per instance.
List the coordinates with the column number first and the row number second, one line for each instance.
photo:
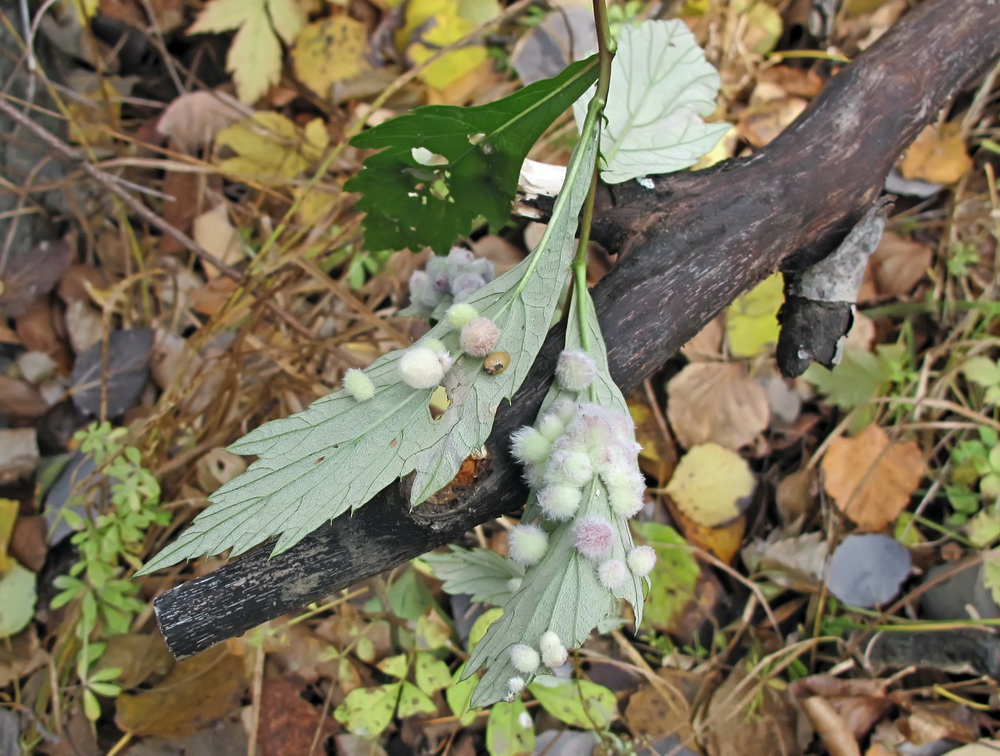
column 414, row 701
column 394, row 666
column 459, row 697
column 662, row 85
column 578, row 703
column 674, row 578
column 91, row 706
column 859, row 376
column 431, row 674
column 510, row 730
column 482, row 150
column 480, row 573
column 982, row 371
column 991, row 572
column 481, row 625
column 368, row 711
column 17, row 599
column 409, row 596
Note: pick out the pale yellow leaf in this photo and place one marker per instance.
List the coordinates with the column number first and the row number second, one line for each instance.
column 287, row 18
column 213, row 231
column 329, row 51
column 267, row 148
column 254, row 58
column 223, row 15
column 317, row 138
column 444, row 30
column 937, row 155
column 712, row 485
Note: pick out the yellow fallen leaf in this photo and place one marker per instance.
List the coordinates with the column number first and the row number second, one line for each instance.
column 871, row 479
column 937, row 155
column 329, row 51
column 8, row 516
column 446, row 29
column 711, row 485
column 752, row 318
column 269, row 148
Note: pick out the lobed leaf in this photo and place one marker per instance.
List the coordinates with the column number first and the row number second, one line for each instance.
column 476, row 155
column 338, row 453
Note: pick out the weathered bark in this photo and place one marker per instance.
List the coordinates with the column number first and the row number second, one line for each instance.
column 687, row 248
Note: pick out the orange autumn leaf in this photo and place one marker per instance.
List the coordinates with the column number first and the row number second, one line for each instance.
column 870, row 478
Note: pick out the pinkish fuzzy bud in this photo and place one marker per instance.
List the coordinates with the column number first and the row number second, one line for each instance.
column 359, row 385
column 612, row 574
column 527, row 544
column 593, row 536
column 479, row 337
column 559, row 502
column 575, row 370
column 641, row 560
column 554, row 653
column 529, row 447
column 524, row 658
column 421, row 368
column 569, row 467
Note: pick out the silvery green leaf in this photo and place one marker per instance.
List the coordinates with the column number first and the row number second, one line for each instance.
column 335, row 455
column 661, row 86
column 480, row 573
column 563, row 592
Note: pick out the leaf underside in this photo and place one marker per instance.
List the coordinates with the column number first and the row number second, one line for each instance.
column 335, row 455
column 412, row 205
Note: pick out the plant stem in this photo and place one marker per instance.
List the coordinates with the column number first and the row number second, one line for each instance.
column 605, row 54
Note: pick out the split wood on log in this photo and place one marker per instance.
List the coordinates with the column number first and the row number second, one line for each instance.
column 686, row 248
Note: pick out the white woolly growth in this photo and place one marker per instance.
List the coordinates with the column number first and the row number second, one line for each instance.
column 460, row 313
column 559, row 502
column 575, row 370
column 479, row 337
column 421, row 368
column 593, row 536
column 641, row 560
column 515, row 685
column 569, row 467
column 359, row 385
column 612, row 574
column 530, row 447
column 551, row 426
column 527, row 544
column 524, row 658
column 565, row 410
column 554, row 653
column 455, row 278
column 626, row 501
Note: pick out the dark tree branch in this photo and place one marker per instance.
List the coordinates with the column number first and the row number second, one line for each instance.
column 687, row 249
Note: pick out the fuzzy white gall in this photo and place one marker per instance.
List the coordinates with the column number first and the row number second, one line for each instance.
column 530, row 447
column 641, row 560
column 612, row 574
column 359, row 385
column 559, row 502
column 479, row 337
column 554, row 653
column 524, row 658
column 421, row 368
column 569, row 467
column 527, row 544
column 575, row 370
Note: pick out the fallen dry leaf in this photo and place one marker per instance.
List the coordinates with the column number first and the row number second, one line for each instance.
column 195, row 119
column 870, row 478
column 729, row 729
column 898, row 264
column 716, row 402
column 830, row 727
column 33, row 274
column 858, row 704
column 712, row 485
column 291, row 725
column 762, row 122
column 196, row 692
column 937, row 155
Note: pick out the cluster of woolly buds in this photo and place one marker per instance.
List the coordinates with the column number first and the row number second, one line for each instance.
column 533, row 446
column 359, row 385
column 455, row 277
column 575, row 370
column 423, row 365
column 554, row 653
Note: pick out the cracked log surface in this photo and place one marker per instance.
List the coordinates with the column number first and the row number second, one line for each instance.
column 687, row 248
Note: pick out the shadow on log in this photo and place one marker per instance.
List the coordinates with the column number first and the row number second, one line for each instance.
column 686, row 248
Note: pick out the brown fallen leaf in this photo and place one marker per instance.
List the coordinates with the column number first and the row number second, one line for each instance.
column 289, row 725
column 20, row 399
column 196, row 118
column 830, row 727
column 662, row 708
column 31, row 275
column 857, row 704
column 195, row 693
column 762, row 122
column 716, row 402
column 898, row 264
column 937, row 155
column 871, row 479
